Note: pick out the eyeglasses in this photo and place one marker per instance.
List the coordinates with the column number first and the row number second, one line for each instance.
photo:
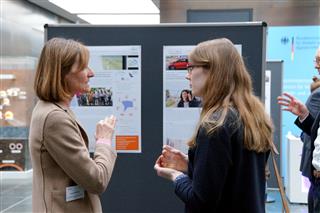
column 191, row 66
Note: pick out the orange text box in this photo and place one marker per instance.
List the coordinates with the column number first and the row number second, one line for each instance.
column 126, row 142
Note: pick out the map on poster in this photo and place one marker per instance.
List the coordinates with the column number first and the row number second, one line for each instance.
column 181, row 110
column 115, row 89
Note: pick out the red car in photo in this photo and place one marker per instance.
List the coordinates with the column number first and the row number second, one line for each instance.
column 180, row 64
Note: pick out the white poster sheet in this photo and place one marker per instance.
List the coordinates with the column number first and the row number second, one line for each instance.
column 267, row 102
column 181, row 111
column 115, row 89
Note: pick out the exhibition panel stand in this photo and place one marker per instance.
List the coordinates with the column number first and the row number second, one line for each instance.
column 274, row 78
column 134, row 186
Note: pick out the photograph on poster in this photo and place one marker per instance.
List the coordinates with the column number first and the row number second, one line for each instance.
column 181, row 99
column 176, row 62
column 112, row 62
column 120, row 62
column 96, row 97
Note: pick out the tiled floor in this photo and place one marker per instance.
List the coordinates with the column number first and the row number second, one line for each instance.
column 15, row 197
column 276, row 207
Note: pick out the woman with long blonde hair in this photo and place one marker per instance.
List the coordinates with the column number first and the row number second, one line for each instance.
column 224, row 169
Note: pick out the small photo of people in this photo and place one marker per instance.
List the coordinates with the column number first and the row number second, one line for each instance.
column 186, row 99
column 98, row 96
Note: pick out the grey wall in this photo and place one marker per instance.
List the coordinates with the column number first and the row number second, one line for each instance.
column 22, row 36
column 274, row 12
column 237, row 15
column 21, row 30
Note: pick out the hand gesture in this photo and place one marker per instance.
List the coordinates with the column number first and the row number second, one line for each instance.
column 293, row 105
column 167, row 173
column 173, row 158
column 105, row 128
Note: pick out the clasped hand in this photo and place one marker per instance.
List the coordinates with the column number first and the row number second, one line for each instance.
column 171, row 163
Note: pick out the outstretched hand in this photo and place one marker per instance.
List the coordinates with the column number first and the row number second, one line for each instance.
column 293, row 105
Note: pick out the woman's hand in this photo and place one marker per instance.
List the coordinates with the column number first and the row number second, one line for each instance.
column 105, row 128
column 174, row 159
column 167, row 173
column 293, row 105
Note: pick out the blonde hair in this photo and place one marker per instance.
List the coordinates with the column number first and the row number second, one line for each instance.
column 56, row 60
column 229, row 85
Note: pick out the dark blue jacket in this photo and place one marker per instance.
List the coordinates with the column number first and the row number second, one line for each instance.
column 310, row 126
column 223, row 176
column 313, row 105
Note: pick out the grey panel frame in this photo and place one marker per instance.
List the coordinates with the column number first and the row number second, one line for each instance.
column 276, row 68
column 134, row 186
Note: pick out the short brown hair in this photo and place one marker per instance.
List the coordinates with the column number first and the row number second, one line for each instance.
column 57, row 57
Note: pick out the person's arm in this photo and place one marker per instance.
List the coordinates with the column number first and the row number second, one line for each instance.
column 306, row 124
column 63, row 141
column 211, row 166
column 293, row 105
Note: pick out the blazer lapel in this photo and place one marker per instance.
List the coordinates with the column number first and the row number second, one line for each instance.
column 81, row 129
column 84, row 135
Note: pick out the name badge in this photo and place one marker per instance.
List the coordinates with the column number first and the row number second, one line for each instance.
column 74, row 193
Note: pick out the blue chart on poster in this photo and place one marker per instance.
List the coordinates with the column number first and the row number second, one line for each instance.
column 296, row 46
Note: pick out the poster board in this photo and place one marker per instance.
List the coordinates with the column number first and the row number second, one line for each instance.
column 134, row 185
column 275, row 72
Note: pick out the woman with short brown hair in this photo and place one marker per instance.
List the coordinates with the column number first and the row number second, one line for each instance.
column 65, row 178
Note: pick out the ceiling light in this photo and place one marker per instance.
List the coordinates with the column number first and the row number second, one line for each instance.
column 122, row 19
column 107, row 6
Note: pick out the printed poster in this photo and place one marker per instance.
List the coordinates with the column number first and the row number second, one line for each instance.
column 115, row 89
column 181, row 111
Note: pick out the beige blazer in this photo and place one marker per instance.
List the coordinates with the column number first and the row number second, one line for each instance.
column 60, row 158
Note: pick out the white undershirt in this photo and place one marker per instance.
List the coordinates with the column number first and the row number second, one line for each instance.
column 316, row 152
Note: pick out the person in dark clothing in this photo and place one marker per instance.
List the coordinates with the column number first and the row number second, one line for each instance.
column 224, row 170
column 194, row 102
column 312, row 104
column 310, row 125
column 308, row 121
